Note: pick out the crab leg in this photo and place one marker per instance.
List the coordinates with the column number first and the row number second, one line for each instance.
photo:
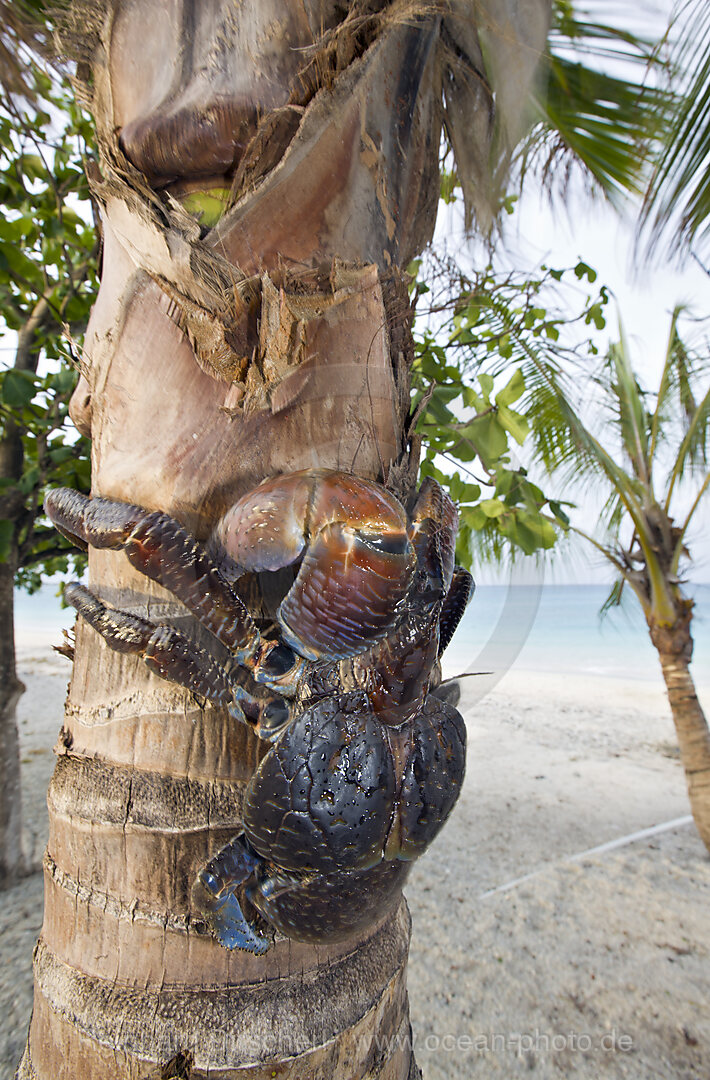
column 455, row 603
column 165, row 552
column 397, row 671
column 217, row 884
column 179, row 659
column 164, row 649
column 433, row 534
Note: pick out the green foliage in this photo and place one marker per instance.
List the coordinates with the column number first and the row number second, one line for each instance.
column 482, row 394
column 677, row 201
column 648, row 444
column 596, row 107
column 48, row 277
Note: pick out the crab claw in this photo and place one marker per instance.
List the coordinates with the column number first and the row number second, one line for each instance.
column 357, row 561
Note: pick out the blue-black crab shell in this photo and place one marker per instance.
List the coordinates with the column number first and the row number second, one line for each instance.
column 327, row 907
column 329, row 797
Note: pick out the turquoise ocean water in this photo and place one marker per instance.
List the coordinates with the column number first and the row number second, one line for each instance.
column 558, row 628
column 551, row 628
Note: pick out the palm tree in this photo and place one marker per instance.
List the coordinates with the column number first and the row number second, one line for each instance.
column 651, row 459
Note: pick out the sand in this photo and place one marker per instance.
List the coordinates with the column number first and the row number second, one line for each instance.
column 594, row 965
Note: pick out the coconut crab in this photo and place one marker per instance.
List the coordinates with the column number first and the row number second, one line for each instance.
column 365, row 763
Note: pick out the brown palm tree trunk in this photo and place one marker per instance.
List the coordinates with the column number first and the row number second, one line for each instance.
column 279, row 341
column 11, row 689
column 675, row 648
column 149, row 785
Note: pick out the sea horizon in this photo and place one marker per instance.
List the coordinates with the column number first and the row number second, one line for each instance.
column 531, row 627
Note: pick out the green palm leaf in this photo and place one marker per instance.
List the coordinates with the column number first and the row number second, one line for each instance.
column 632, row 415
column 590, row 112
column 678, row 195
column 693, row 450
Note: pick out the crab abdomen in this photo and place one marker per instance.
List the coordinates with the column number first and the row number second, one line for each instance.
column 341, row 791
column 323, row 797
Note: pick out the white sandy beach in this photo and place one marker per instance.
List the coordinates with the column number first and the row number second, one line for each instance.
column 595, row 967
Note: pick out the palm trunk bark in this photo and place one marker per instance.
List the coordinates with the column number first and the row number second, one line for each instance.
column 149, row 785
column 279, row 341
column 675, row 647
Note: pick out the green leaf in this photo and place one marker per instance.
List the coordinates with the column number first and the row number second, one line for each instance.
column 492, row 508
column 528, row 531
column 63, row 381
column 488, row 438
column 59, row 454
column 513, row 422
column 473, row 400
column 447, row 393
column 449, row 183
column 559, row 513
column 463, row 492
column 595, row 314
column 513, row 389
column 18, row 388
column 474, row 517
column 29, row 480
column 486, row 383
column 582, row 270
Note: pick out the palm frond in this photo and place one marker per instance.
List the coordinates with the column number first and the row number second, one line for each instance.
column 674, row 360
column 680, row 537
column 591, row 112
column 693, row 450
column 632, row 416
column 677, row 200
column 612, row 514
column 615, row 596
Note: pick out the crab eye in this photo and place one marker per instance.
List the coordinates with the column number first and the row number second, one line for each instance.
column 388, row 543
column 281, row 660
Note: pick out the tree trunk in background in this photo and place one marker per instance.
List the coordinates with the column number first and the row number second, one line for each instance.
column 675, row 649
column 277, row 340
column 11, row 689
column 12, row 510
